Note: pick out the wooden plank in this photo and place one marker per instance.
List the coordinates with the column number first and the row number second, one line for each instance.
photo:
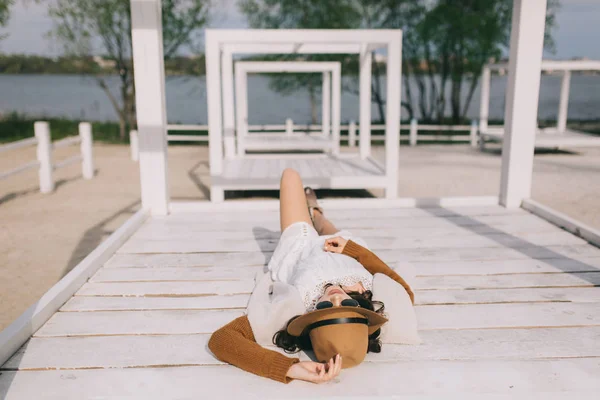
column 345, row 214
column 485, row 316
column 520, row 228
column 490, row 296
column 173, row 322
column 441, row 267
column 173, row 350
column 574, row 253
column 272, row 223
column 220, row 260
column 175, row 274
column 203, row 242
column 575, row 279
column 177, row 288
column 485, row 379
column 425, row 298
column 101, row 303
column 499, row 267
column 477, row 316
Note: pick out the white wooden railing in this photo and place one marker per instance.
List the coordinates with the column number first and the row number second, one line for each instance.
column 417, row 133
column 44, row 160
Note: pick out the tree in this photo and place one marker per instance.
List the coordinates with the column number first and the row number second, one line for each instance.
column 301, row 14
column 446, row 44
column 5, row 13
column 94, row 27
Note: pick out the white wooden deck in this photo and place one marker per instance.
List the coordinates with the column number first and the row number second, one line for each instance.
column 263, row 171
column 282, row 141
column 508, row 307
column 550, row 138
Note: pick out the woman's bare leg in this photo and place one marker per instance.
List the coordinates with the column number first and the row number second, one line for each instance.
column 292, row 201
column 322, row 224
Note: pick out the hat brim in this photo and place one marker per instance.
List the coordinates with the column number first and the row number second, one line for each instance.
column 297, row 326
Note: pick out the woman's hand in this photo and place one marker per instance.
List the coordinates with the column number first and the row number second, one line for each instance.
column 316, row 372
column 335, row 244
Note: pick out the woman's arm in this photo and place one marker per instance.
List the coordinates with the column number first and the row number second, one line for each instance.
column 235, row 344
column 373, row 264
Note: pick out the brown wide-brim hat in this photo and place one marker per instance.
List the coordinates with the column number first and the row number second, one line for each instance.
column 338, row 330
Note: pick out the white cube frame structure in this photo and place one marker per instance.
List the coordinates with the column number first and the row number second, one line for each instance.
column 331, row 107
column 552, row 137
column 220, row 47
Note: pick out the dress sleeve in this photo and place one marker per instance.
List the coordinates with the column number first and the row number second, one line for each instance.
column 234, row 343
column 374, row 265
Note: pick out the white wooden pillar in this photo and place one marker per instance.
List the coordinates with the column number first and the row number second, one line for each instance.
column 326, row 106
column 352, row 134
column 228, row 108
column 484, row 101
column 392, row 115
column 473, row 133
column 148, row 64
column 289, row 127
column 336, row 112
column 412, row 134
column 241, row 109
column 563, row 105
column 44, row 155
column 213, row 94
column 364, row 101
column 134, row 145
column 87, row 150
column 526, row 45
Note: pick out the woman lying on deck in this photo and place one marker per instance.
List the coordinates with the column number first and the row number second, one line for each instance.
column 333, row 276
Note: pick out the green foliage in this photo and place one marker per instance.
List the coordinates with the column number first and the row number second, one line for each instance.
column 91, row 27
column 31, row 64
column 5, row 11
column 16, row 126
column 301, row 14
column 445, row 42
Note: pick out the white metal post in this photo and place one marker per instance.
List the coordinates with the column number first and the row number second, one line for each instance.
column 228, row 109
column 473, row 133
column 526, row 44
column 241, row 109
column 352, row 134
column 412, row 134
column 484, row 100
column 392, row 115
column 134, row 145
column 44, row 155
column 336, row 111
column 289, row 127
column 365, row 101
column 563, row 105
column 326, row 106
column 213, row 95
column 148, row 64
column 87, row 152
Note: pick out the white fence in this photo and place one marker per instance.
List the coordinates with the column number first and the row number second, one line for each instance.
column 44, row 160
column 417, row 133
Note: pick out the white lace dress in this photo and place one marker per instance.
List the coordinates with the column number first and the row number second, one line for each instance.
column 300, row 260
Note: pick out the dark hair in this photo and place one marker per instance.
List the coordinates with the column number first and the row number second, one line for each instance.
column 293, row 344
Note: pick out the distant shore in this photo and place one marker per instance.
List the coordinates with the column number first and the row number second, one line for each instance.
column 14, row 126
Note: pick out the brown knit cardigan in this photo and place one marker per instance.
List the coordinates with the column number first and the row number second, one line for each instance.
column 235, row 344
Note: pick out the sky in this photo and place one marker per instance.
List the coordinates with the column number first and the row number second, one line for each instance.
column 577, row 33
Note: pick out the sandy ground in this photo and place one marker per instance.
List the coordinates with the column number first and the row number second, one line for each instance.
column 42, row 237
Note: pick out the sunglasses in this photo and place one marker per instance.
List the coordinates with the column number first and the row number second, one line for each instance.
column 346, row 303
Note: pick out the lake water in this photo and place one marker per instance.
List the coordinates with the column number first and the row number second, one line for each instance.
column 79, row 97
